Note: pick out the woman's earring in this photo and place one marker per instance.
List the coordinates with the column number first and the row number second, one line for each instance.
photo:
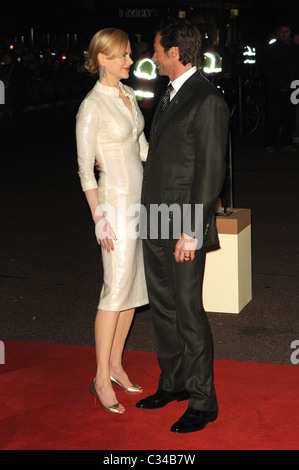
column 104, row 72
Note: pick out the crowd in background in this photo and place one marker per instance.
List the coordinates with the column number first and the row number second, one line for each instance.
column 34, row 76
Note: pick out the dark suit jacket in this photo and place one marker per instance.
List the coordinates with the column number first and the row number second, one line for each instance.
column 186, row 159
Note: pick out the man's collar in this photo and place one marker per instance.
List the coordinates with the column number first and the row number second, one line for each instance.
column 178, row 82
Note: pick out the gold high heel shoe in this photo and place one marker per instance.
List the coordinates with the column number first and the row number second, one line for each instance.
column 109, row 409
column 135, row 388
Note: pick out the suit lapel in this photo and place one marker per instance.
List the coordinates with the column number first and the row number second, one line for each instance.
column 154, row 123
column 160, row 120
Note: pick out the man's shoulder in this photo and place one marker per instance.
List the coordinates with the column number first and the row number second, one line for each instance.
column 203, row 88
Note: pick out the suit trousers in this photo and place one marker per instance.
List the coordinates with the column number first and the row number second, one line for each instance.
column 183, row 334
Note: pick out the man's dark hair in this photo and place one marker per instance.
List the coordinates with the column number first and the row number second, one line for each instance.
column 184, row 35
column 283, row 23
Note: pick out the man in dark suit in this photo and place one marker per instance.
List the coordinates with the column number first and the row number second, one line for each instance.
column 185, row 170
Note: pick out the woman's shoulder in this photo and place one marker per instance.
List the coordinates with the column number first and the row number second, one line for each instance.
column 92, row 95
column 89, row 104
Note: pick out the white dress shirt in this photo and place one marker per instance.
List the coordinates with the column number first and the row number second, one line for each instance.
column 179, row 82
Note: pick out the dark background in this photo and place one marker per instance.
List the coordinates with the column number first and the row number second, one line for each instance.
column 256, row 19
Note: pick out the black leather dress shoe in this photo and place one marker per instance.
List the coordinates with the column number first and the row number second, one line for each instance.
column 161, row 398
column 193, row 420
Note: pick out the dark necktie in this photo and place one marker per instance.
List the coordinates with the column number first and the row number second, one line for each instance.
column 166, row 97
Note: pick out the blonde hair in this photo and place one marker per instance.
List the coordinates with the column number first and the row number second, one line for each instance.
column 109, row 41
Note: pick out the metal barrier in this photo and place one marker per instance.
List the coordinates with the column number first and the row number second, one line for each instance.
column 57, row 108
column 43, row 112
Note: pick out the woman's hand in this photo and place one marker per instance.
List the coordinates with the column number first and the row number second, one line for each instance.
column 104, row 233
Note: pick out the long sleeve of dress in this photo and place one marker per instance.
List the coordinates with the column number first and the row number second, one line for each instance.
column 87, row 126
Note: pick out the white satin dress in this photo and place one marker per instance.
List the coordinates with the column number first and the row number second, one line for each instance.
column 106, row 132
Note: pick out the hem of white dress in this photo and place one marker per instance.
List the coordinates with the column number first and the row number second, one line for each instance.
column 116, row 308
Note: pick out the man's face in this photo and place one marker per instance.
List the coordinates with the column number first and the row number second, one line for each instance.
column 7, row 59
column 160, row 57
column 296, row 38
column 284, row 33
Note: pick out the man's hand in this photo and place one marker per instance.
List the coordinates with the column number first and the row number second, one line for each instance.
column 97, row 167
column 185, row 249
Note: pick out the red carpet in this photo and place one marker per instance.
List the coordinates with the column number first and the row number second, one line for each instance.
column 46, row 405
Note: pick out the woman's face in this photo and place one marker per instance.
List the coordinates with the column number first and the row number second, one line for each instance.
column 120, row 67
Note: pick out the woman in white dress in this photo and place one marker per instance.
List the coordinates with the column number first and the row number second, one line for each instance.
column 109, row 132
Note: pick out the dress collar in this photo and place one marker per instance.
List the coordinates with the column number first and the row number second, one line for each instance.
column 109, row 90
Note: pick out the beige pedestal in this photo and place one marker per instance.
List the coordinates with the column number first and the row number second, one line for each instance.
column 227, row 285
